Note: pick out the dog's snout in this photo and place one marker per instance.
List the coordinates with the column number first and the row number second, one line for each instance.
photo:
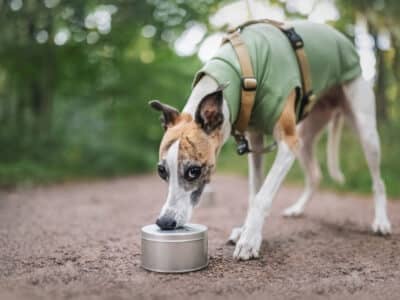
column 166, row 223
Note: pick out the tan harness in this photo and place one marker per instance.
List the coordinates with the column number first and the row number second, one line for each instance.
column 249, row 81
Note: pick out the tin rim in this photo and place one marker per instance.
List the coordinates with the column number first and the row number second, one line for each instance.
column 190, row 232
column 176, row 271
column 172, row 241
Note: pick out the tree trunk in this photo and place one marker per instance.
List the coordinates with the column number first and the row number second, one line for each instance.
column 380, row 87
column 396, row 71
column 381, row 98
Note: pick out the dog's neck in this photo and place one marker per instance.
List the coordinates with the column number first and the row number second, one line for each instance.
column 205, row 86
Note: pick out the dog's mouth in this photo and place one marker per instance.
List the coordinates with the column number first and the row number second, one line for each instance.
column 172, row 218
column 167, row 223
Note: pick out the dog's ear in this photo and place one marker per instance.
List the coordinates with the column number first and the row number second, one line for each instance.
column 169, row 116
column 209, row 112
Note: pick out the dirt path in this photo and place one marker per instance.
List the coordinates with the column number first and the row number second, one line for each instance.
column 82, row 241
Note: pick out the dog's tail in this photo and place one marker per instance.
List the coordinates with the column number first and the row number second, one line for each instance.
column 334, row 134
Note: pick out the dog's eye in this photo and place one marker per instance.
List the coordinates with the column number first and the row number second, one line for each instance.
column 162, row 171
column 192, row 173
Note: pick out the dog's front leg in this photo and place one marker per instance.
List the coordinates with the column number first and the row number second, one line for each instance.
column 256, row 177
column 250, row 239
column 249, row 243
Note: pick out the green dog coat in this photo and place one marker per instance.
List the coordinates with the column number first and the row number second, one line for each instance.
column 332, row 58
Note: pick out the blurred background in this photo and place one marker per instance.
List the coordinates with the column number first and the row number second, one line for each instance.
column 76, row 76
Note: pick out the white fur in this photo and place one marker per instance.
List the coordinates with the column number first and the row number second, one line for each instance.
column 335, row 130
column 249, row 243
column 256, row 174
column 361, row 114
column 178, row 204
column 256, row 163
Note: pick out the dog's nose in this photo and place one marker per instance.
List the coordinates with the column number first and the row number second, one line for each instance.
column 166, row 223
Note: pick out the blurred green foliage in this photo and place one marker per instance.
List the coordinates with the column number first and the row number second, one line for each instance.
column 74, row 93
column 79, row 109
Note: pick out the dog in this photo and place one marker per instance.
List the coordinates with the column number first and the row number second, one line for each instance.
column 193, row 139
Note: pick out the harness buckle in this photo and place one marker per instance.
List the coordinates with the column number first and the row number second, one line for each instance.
column 294, row 38
column 249, row 83
column 242, row 145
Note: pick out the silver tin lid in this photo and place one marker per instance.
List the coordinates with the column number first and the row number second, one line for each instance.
column 185, row 233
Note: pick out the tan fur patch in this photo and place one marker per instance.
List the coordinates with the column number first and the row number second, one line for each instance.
column 174, row 133
column 194, row 143
column 287, row 123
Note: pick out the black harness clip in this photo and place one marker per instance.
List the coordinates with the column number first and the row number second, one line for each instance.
column 294, row 38
column 242, row 146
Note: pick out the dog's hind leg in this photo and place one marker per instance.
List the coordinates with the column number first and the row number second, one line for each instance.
column 309, row 131
column 327, row 108
column 256, row 173
column 333, row 147
column 361, row 112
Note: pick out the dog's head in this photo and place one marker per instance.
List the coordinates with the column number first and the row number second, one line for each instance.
column 187, row 155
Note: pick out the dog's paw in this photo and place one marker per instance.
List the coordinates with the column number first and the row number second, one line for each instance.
column 293, row 211
column 248, row 245
column 382, row 226
column 235, row 235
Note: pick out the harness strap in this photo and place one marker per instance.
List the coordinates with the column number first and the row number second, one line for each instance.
column 307, row 99
column 248, row 81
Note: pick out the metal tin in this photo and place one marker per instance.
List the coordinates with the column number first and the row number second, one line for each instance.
column 174, row 251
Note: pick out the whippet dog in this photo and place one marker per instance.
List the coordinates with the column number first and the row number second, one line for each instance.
column 194, row 138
